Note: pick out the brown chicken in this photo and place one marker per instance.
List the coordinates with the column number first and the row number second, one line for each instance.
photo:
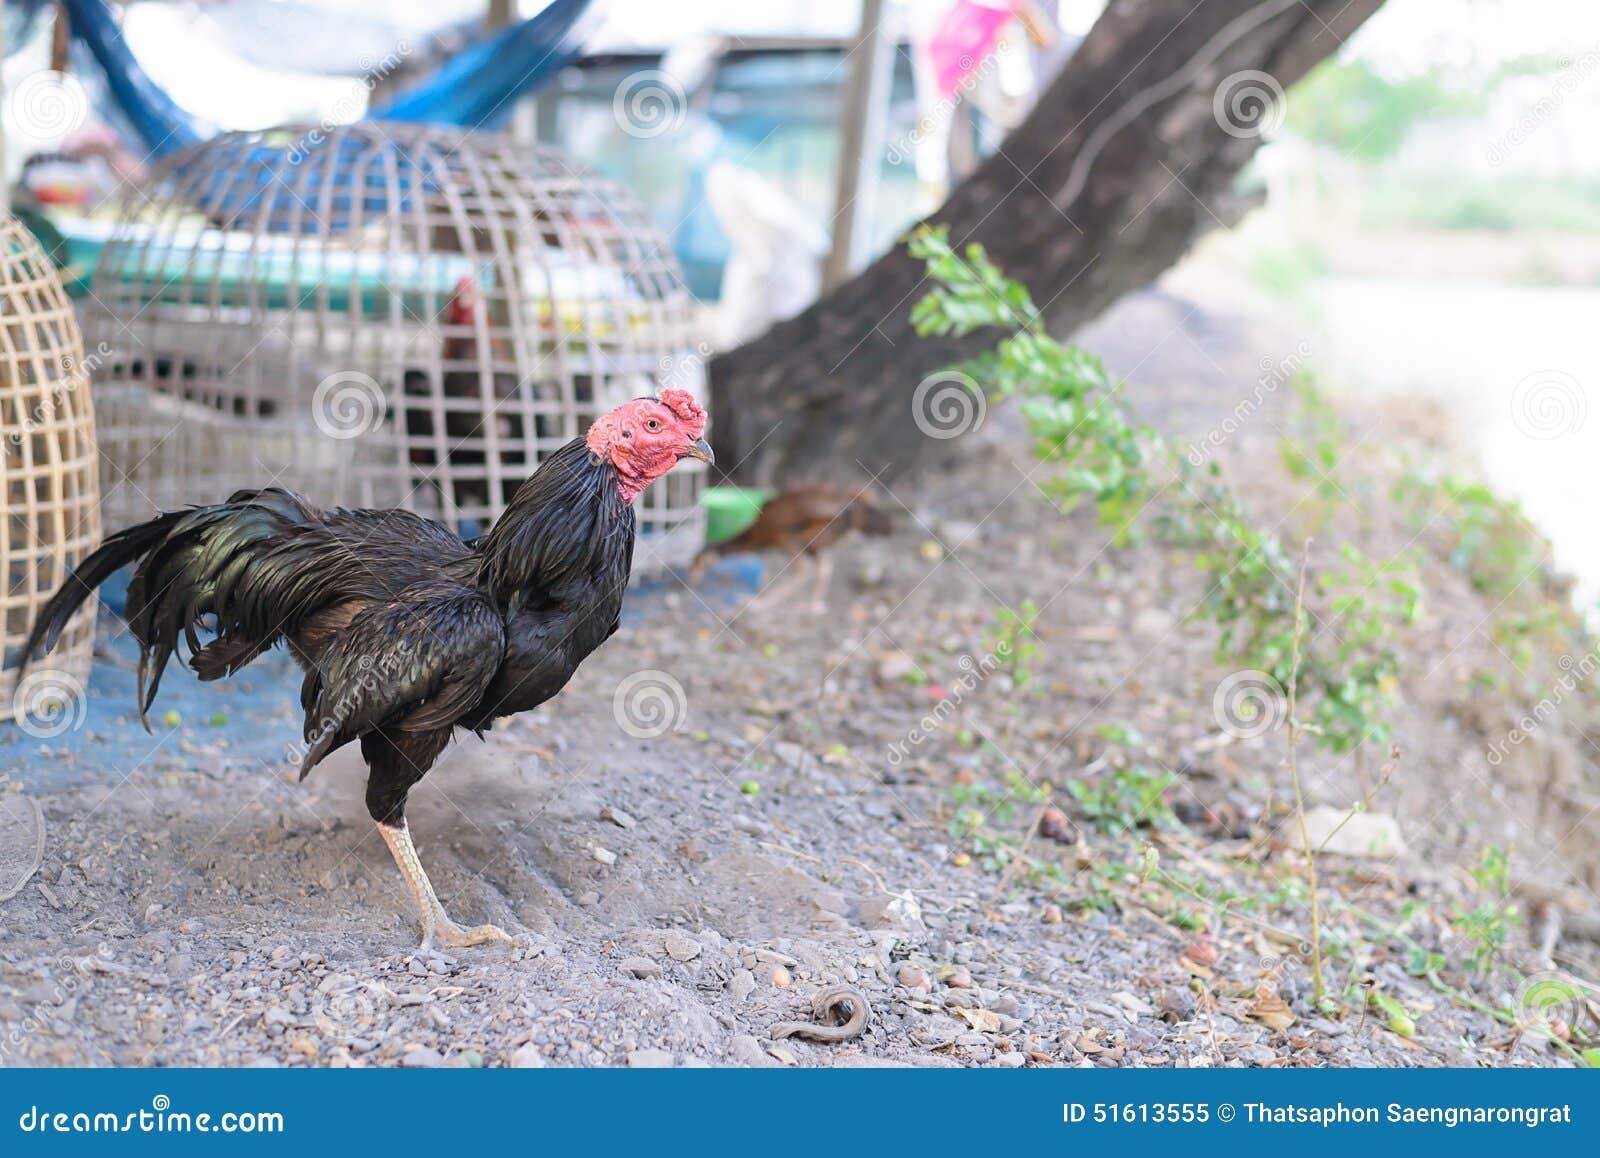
column 803, row 523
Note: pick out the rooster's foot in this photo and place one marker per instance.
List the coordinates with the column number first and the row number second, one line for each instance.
column 436, row 923
column 448, row 932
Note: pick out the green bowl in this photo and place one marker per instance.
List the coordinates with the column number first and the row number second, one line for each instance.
column 730, row 510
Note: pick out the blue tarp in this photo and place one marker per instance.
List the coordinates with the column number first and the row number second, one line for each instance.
column 162, row 126
column 479, row 86
column 475, row 89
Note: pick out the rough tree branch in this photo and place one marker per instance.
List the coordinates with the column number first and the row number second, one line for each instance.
column 1124, row 162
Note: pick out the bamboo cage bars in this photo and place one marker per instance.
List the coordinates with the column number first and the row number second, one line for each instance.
column 385, row 315
column 48, row 469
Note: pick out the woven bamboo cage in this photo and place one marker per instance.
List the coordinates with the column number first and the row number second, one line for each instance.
column 381, row 315
column 48, row 465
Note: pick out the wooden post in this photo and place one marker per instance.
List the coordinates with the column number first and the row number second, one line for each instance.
column 62, row 40
column 861, row 123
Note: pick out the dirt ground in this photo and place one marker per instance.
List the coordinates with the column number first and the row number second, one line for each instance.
column 674, row 898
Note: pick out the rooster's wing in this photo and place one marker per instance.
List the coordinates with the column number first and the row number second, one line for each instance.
column 415, row 663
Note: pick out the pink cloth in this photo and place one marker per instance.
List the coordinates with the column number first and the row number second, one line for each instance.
column 967, row 34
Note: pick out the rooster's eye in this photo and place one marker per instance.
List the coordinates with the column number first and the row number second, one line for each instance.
column 652, row 424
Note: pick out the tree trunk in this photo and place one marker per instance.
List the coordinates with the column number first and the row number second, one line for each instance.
column 1128, row 157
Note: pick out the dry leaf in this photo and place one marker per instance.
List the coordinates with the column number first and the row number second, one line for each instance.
column 1201, row 952
column 981, row 1020
column 1270, row 1010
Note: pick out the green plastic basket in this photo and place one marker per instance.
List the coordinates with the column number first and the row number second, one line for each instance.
column 730, row 510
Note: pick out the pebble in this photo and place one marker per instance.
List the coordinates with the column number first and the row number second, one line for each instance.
column 781, row 977
column 603, row 855
column 641, row 967
column 959, row 979
column 1131, row 1004
column 527, row 1057
column 745, row 1050
column 1012, row 1060
column 680, row 946
column 421, row 1057
column 912, row 976
column 1177, row 1005
column 650, row 1059
column 896, row 665
column 617, row 817
column 741, row 984
column 790, row 753
column 1115, row 1014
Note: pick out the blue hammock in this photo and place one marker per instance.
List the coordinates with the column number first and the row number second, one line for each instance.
column 477, row 88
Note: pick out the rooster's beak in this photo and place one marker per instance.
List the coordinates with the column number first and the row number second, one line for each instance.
column 701, row 449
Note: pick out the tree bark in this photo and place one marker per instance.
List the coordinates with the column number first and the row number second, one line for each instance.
column 1130, row 155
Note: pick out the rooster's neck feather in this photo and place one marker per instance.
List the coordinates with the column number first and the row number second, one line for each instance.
column 567, row 526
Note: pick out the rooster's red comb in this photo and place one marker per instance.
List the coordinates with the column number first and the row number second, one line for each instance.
column 683, row 404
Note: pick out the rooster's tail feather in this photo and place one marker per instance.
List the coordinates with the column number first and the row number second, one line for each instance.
column 111, row 556
column 235, row 561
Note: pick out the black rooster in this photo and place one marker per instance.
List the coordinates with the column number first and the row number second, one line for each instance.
column 404, row 632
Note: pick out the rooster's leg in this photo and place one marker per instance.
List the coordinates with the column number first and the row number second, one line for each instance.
column 787, row 581
column 436, row 923
column 824, row 576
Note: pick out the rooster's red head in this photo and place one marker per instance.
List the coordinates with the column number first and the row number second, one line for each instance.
column 645, row 438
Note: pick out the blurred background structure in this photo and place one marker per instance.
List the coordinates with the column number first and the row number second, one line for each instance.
column 1442, row 167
